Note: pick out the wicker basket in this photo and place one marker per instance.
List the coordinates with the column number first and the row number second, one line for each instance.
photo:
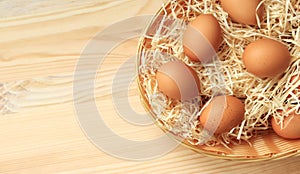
column 264, row 147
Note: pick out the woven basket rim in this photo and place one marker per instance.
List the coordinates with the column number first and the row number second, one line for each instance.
column 211, row 153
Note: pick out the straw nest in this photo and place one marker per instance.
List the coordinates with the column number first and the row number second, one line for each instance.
column 263, row 98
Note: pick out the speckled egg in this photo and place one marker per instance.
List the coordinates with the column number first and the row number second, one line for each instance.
column 222, row 114
column 290, row 128
column 266, row 58
column 243, row 11
column 202, row 38
column 178, row 81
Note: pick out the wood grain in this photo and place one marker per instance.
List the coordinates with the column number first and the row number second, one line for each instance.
column 39, row 48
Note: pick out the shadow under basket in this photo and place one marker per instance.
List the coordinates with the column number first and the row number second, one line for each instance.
column 264, row 146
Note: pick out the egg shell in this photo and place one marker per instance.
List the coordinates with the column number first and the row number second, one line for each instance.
column 290, row 128
column 222, row 114
column 243, row 11
column 266, row 58
column 202, row 38
column 178, row 81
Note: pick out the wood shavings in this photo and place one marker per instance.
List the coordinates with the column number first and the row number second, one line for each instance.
column 263, row 98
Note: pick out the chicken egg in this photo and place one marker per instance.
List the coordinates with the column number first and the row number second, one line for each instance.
column 244, row 11
column 290, row 128
column 222, row 114
column 266, row 58
column 202, row 38
column 178, row 81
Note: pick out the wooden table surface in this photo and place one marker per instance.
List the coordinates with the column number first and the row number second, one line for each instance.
column 40, row 43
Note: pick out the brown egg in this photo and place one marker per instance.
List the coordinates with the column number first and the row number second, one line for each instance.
column 222, row 114
column 290, row 128
column 202, row 38
column 266, row 58
column 178, row 81
column 243, row 11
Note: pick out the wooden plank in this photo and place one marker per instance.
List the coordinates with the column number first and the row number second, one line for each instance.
column 36, row 141
column 48, row 44
column 16, row 8
column 39, row 132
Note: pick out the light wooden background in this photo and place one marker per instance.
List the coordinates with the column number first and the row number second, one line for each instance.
column 40, row 42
